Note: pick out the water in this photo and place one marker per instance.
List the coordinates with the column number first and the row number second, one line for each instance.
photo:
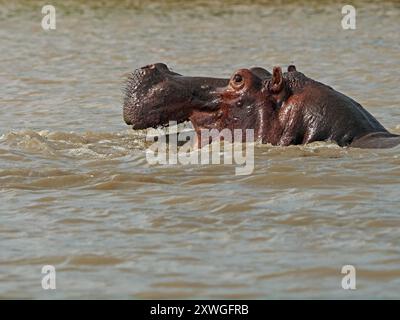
column 77, row 192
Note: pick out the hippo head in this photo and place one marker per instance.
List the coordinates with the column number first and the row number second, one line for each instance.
column 154, row 95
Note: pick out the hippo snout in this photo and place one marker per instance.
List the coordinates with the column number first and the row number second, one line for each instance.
column 155, row 95
column 140, row 95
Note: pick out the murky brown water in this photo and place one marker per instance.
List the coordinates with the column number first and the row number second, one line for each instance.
column 77, row 192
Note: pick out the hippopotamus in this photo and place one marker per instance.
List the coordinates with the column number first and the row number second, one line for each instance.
column 283, row 108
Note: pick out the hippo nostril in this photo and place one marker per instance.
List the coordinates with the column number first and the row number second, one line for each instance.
column 149, row 66
column 155, row 68
column 161, row 67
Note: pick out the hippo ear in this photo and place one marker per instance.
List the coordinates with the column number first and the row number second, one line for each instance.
column 291, row 68
column 277, row 80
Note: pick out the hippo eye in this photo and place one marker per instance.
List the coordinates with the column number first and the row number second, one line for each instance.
column 237, row 78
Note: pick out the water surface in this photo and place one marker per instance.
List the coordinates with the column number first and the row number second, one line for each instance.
column 77, row 192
